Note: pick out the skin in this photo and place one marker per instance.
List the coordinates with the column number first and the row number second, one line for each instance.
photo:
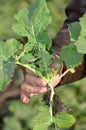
column 34, row 85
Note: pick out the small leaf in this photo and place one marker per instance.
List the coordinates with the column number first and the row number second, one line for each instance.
column 70, row 56
column 44, row 62
column 81, row 45
column 32, row 21
column 74, row 30
column 7, row 62
column 28, row 58
column 11, row 123
column 28, row 47
column 12, row 47
column 83, row 25
column 7, row 70
column 8, row 48
column 43, row 109
column 43, row 39
column 64, row 120
column 43, row 126
column 41, row 121
column 3, row 55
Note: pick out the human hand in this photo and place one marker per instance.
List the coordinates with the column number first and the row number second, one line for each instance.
column 34, row 85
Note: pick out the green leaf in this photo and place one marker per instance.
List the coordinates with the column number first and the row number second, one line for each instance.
column 7, row 69
column 74, row 30
column 64, row 120
column 81, row 45
column 42, row 126
column 70, row 56
column 83, row 25
column 28, row 47
column 43, row 108
column 12, row 46
column 11, row 123
column 44, row 62
column 44, row 40
column 8, row 49
column 41, row 121
column 7, row 62
column 25, row 112
column 28, row 58
column 78, row 34
column 81, row 42
column 3, row 55
column 33, row 20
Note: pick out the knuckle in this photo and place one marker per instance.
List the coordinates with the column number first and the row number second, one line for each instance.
column 43, row 83
column 27, row 77
column 23, row 86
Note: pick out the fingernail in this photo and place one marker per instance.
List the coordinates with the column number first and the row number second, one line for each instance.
column 24, row 99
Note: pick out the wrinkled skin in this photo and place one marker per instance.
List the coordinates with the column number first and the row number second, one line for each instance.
column 34, row 85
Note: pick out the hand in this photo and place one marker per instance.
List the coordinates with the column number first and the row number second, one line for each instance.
column 34, row 85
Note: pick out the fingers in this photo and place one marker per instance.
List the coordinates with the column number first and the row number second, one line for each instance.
column 31, row 86
column 27, row 91
column 32, row 89
column 25, row 99
column 34, row 85
column 35, row 80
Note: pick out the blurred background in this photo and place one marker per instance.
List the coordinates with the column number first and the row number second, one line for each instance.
column 16, row 115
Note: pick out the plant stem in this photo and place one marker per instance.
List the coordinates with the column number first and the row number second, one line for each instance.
column 64, row 73
column 56, row 128
column 20, row 56
column 51, row 100
column 52, row 94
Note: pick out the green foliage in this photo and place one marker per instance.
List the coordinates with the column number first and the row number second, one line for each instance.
column 44, row 61
column 8, row 49
column 41, row 121
column 7, row 61
column 82, row 24
column 7, row 72
column 28, row 23
column 70, row 56
column 32, row 21
column 74, row 96
column 74, row 30
column 64, row 120
column 80, row 44
column 7, row 12
column 21, row 115
column 78, row 34
column 9, row 124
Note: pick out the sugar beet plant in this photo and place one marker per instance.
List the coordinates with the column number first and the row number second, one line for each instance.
column 37, row 56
